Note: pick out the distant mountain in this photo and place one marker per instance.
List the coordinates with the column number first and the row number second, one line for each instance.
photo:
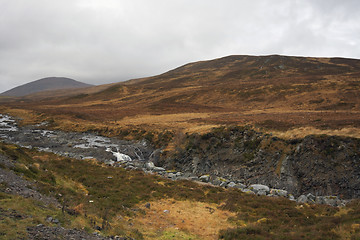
column 45, row 84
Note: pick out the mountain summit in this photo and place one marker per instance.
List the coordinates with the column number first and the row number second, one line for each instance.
column 45, row 84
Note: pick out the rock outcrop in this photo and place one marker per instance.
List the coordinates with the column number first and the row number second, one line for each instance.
column 320, row 165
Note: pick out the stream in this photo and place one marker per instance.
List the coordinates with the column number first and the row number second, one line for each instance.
column 74, row 144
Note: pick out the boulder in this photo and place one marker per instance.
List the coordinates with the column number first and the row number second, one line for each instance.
column 332, row 201
column 259, row 187
column 231, row 184
column 223, row 184
column 129, row 164
column 291, row 197
column 158, row 169
column 220, row 181
column 172, row 175
column 120, row 157
column 109, row 162
column 216, row 182
column 261, row 193
column 311, row 197
column 279, row 192
column 205, row 178
column 240, row 185
column 302, row 199
column 192, row 178
column 149, row 165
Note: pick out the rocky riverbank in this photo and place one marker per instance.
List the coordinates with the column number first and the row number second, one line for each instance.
column 317, row 165
column 258, row 189
column 311, row 170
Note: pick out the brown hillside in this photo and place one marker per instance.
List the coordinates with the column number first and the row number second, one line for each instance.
column 294, row 94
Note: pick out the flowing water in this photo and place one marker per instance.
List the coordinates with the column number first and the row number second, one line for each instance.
column 73, row 144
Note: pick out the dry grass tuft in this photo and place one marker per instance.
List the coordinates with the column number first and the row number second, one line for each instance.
column 305, row 131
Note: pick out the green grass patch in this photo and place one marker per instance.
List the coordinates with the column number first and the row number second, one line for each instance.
column 18, row 213
column 173, row 233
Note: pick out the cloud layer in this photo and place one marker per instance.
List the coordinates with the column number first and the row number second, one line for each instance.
column 98, row 41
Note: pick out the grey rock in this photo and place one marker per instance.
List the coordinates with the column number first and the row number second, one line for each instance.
column 193, row 178
column 332, row 200
column 149, row 165
column 240, row 185
column 279, row 192
column 216, row 182
column 109, row 162
column 158, row 169
column 223, row 184
column 311, row 197
column 302, row 199
column 291, row 197
column 220, row 182
column 259, row 187
column 204, row 178
column 172, row 175
column 261, row 192
column 129, row 164
column 138, row 164
column 231, row 184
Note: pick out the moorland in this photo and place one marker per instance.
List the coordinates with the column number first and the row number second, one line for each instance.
column 241, row 111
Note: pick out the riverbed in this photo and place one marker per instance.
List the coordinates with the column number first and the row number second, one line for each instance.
column 74, row 144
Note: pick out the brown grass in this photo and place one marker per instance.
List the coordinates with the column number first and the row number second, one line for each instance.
column 201, row 219
column 304, row 131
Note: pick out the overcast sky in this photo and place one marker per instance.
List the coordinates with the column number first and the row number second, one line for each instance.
column 103, row 41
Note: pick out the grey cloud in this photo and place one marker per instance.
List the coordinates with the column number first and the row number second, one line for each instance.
column 99, row 41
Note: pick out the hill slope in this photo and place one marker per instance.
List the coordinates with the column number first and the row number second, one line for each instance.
column 44, row 84
column 44, row 196
column 295, row 95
